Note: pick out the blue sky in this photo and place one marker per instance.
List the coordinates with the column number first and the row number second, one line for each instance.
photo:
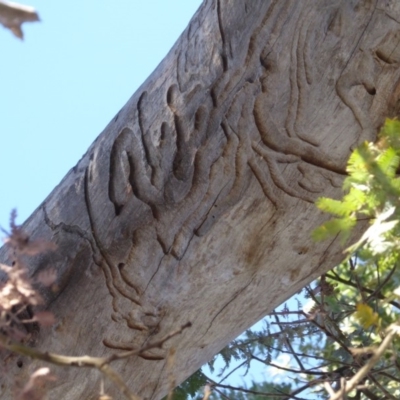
column 62, row 85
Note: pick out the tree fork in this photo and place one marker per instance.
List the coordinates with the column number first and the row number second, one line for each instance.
column 196, row 201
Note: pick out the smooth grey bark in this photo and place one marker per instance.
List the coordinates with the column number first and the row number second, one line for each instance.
column 196, row 202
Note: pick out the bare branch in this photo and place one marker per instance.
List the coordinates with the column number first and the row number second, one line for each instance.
column 332, row 275
column 382, row 389
column 250, row 391
column 363, row 372
column 100, row 363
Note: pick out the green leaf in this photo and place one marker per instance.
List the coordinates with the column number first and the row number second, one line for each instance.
column 332, row 206
column 190, row 387
column 334, row 227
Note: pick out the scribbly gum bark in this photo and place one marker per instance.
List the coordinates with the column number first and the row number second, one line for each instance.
column 196, row 201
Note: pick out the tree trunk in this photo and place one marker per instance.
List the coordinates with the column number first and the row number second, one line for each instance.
column 196, row 203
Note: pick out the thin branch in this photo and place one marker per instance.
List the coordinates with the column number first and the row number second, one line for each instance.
column 207, row 391
column 64, row 361
column 312, row 356
column 272, row 335
column 252, row 391
column 231, row 372
column 100, row 363
column 118, row 381
column 331, row 335
column 284, row 313
column 283, row 323
column 364, row 370
column 380, row 296
column 304, row 387
column 223, row 395
column 382, row 389
column 296, row 371
column 369, row 394
column 356, row 278
column 328, row 388
column 288, row 344
column 377, row 290
column 387, row 375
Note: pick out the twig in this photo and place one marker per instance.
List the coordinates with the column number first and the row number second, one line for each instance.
column 380, row 296
column 356, row 278
column 100, row 363
column 383, row 390
column 207, row 391
column 250, row 391
column 297, row 371
column 343, row 390
column 222, row 394
column 234, row 369
column 119, row 382
column 387, row 375
column 378, row 289
column 289, row 346
column 328, row 388
column 364, row 370
column 304, row 387
column 311, row 356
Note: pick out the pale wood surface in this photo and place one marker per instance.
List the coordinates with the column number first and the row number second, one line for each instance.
column 196, row 201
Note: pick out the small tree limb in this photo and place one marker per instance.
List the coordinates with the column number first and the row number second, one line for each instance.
column 363, row 372
column 100, row 363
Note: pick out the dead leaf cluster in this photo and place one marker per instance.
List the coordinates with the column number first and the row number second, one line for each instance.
column 13, row 15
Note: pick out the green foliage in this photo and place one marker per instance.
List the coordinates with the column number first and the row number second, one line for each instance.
column 190, row 387
column 373, row 191
column 367, row 284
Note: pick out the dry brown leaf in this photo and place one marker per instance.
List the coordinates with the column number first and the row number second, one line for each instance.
column 13, row 15
column 47, row 277
column 44, row 318
column 35, row 388
column 18, row 239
